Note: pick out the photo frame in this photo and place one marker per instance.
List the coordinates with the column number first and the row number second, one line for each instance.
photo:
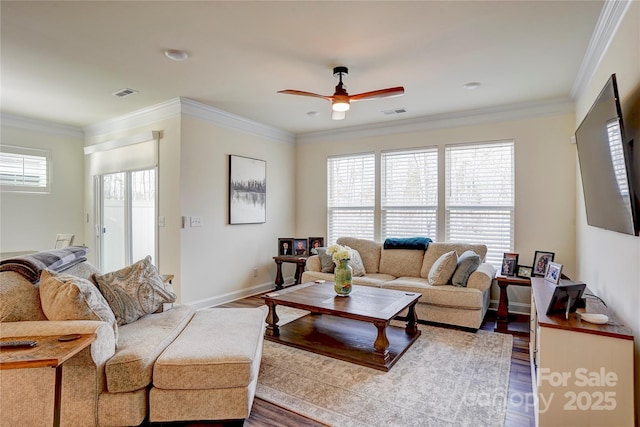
column 524, row 271
column 509, row 264
column 285, row 246
column 540, row 261
column 247, row 190
column 315, row 242
column 553, row 273
column 300, row 247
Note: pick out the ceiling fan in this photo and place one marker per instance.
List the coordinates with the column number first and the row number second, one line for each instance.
column 340, row 100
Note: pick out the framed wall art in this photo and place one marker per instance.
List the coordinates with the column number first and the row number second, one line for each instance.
column 247, row 190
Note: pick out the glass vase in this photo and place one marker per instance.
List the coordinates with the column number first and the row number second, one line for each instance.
column 343, row 274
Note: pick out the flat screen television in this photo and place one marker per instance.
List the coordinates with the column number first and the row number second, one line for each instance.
column 606, row 165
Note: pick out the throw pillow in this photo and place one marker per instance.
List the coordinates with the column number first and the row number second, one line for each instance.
column 325, row 260
column 442, row 270
column 134, row 291
column 356, row 263
column 468, row 262
column 68, row 297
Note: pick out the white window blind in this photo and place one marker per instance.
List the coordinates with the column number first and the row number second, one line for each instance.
column 409, row 193
column 24, row 169
column 350, row 196
column 479, row 196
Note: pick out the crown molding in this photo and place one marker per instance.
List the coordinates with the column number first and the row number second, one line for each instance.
column 37, row 125
column 445, row 120
column 232, row 121
column 609, row 20
column 187, row 107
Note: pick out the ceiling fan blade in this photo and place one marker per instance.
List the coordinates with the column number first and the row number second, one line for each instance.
column 382, row 93
column 302, row 93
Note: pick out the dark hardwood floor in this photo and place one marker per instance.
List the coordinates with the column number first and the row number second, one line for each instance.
column 519, row 405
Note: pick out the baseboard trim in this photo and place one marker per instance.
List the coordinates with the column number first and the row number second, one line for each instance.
column 232, row 296
column 514, row 307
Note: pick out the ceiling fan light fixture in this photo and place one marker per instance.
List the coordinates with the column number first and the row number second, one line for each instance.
column 338, row 115
column 340, row 105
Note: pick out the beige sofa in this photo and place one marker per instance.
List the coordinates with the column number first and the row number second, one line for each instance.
column 205, row 374
column 408, row 270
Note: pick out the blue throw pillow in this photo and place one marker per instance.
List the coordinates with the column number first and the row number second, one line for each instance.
column 468, row 262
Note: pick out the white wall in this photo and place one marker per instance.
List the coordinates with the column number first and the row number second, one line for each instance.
column 31, row 221
column 545, row 181
column 218, row 259
column 609, row 262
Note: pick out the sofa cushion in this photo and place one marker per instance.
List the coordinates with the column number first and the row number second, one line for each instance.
column 326, row 262
column 68, row 297
column 401, row 262
column 468, row 262
column 436, row 249
column 442, row 270
column 134, row 291
column 140, row 344
column 368, row 249
column 356, row 263
column 205, row 357
column 20, row 299
column 442, row 296
column 375, row 280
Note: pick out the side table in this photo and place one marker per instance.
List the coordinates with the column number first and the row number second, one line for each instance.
column 49, row 352
column 502, row 322
column 300, row 261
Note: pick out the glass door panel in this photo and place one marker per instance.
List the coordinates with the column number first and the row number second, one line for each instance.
column 114, row 226
column 143, row 214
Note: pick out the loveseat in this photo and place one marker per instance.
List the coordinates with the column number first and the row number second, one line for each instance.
column 210, row 358
column 464, row 305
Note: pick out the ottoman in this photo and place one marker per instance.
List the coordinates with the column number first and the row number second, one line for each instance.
column 210, row 371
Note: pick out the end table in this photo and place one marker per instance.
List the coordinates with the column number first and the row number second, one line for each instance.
column 299, row 260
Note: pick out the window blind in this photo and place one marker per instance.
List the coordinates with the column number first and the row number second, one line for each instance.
column 24, row 169
column 409, row 193
column 350, row 196
column 479, row 196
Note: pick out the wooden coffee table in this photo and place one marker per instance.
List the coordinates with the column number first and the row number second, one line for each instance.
column 355, row 328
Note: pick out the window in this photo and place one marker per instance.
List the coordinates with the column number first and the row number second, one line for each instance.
column 479, row 196
column 351, row 196
column 409, row 193
column 24, row 169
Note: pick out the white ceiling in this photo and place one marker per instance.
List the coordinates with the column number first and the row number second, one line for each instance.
column 61, row 61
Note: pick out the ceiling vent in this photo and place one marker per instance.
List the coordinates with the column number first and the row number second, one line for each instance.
column 395, row 111
column 125, row 92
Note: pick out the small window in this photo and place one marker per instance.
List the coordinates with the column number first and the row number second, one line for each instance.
column 24, row 170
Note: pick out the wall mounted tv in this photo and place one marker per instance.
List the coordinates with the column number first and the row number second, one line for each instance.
column 606, row 165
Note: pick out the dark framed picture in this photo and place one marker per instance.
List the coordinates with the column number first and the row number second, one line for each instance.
column 524, row 271
column 247, row 190
column 285, row 246
column 314, row 243
column 509, row 263
column 540, row 261
column 300, row 246
column 553, row 273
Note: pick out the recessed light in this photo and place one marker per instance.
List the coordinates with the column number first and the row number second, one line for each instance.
column 313, row 114
column 472, row 85
column 176, row 54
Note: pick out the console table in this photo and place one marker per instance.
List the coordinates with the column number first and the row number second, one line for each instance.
column 48, row 352
column 299, row 260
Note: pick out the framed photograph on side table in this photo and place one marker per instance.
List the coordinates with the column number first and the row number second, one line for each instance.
column 285, row 246
column 540, row 261
column 300, row 247
column 509, row 263
column 554, row 270
column 524, row 271
column 314, row 243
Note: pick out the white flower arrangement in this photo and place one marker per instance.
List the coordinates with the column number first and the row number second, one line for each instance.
column 339, row 253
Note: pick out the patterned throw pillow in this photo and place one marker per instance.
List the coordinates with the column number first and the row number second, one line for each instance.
column 356, row 263
column 134, row 291
column 442, row 270
column 468, row 262
column 68, row 297
column 325, row 260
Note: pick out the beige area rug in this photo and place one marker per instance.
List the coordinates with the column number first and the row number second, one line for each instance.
column 447, row 378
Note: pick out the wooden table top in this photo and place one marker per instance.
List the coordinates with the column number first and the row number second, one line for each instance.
column 363, row 303
column 48, row 352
